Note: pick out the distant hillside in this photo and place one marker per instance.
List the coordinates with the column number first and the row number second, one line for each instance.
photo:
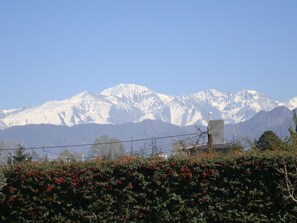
column 55, row 135
column 277, row 120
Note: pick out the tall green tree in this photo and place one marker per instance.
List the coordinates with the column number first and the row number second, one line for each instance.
column 107, row 148
column 19, row 156
column 269, row 141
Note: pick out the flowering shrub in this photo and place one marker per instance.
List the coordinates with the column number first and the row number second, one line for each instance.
column 244, row 188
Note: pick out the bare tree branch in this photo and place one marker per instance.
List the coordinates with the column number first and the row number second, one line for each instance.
column 289, row 186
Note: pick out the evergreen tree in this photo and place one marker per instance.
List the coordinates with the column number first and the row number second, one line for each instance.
column 19, row 156
column 269, row 141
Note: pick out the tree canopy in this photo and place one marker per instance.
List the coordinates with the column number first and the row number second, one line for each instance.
column 107, row 148
column 19, row 156
column 269, row 141
column 66, row 155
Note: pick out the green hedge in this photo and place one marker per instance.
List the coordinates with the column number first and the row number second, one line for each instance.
column 245, row 188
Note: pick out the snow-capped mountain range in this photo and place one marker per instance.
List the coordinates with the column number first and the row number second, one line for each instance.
column 134, row 103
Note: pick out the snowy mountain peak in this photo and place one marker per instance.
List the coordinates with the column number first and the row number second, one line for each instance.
column 249, row 94
column 292, row 104
column 85, row 95
column 215, row 92
column 125, row 90
column 137, row 96
column 134, row 103
column 239, row 106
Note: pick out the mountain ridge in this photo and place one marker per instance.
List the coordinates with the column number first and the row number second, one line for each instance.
column 277, row 120
column 126, row 103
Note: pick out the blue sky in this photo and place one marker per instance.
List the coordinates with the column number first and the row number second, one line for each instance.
column 51, row 50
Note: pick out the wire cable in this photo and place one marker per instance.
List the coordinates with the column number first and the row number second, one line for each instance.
column 105, row 143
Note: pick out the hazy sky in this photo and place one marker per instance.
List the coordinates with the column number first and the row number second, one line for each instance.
column 51, row 50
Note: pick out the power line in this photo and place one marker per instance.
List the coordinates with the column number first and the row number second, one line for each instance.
column 145, row 151
column 106, row 143
column 160, row 147
column 49, row 152
column 169, row 144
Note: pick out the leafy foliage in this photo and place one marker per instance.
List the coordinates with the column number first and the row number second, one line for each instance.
column 66, row 155
column 237, row 188
column 2, row 179
column 19, row 156
column 269, row 141
column 107, row 148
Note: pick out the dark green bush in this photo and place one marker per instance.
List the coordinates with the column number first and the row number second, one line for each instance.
column 244, row 188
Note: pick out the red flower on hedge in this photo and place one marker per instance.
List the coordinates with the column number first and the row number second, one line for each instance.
column 185, row 171
column 75, row 182
column 207, row 173
column 174, row 164
column 11, row 189
column 49, row 188
column 130, row 186
column 169, row 172
column 119, row 182
column 59, row 180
